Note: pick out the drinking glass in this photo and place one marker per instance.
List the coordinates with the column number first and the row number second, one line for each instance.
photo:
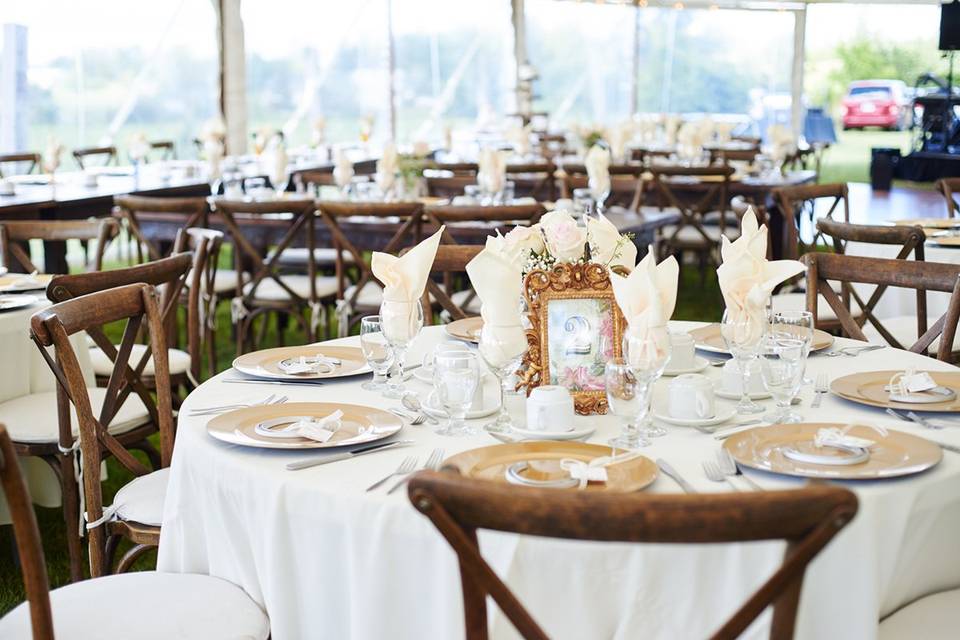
column 456, row 375
column 624, row 400
column 502, row 348
column 582, row 202
column 782, row 360
column 647, row 355
column 742, row 336
column 796, row 324
column 400, row 322
column 376, row 350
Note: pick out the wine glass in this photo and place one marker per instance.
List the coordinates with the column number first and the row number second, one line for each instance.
column 782, row 360
column 456, row 374
column 742, row 335
column 400, row 321
column 647, row 355
column 797, row 324
column 376, row 350
column 624, row 399
column 502, row 349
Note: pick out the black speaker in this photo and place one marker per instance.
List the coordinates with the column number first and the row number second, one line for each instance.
column 950, row 26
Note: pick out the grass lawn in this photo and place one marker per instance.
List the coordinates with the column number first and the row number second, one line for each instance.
column 849, row 159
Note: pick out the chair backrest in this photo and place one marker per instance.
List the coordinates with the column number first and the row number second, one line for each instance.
column 806, row 203
column 109, row 155
column 317, row 177
column 15, row 234
column 948, row 186
column 166, row 148
column 451, row 260
column 136, row 304
column 734, row 155
column 625, row 190
column 33, row 159
column 27, row 535
column 205, row 245
column 138, row 212
column 448, row 186
column 806, row 518
column 694, row 192
column 533, row 180
column 518, row 214
column 647, row 156
column 908, row 274
column 456, row 168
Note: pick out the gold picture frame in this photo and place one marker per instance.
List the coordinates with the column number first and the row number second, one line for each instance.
column 574, row 353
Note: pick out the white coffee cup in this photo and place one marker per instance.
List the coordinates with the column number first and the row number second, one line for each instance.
column 690, row 397
column 550, row 408
column 89, row 179
column 731, row 379
column 7, row 188
column 682, row 352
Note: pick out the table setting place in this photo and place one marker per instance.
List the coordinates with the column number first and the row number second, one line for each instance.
column 20, row 290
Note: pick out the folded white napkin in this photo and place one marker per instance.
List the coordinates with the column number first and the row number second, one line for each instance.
column 404, row 278
column 747, row 278
column 596, row 469
column 492, row 170
column 839, row 437
column 342, row 169
column 278, row 175
column 387, row 168
column 495, row 274
column 607, row 245
column 51, row 155
column 647, row 298
column 319, row 429
column 911, row 381
column 597, row 164
column 519, row 138
column 307, row 364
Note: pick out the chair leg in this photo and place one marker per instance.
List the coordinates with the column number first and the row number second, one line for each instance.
column 70, row 496
column 150, row 451
column 110, row 551
column 132, row 555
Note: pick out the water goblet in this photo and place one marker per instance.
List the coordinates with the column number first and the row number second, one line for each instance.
column 797, row 324
column 400, row 321
column 782, row 361
column 377, row 352
column 501, row 349
column 624, row 400
column 742, row 335
column 456, row 375
column 647, row 354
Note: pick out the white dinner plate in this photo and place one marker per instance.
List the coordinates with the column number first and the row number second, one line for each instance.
column 730, row 395
column 9, row 303
column 430, row 408
column 723, row 414
column 577, row 433
column 699, row 364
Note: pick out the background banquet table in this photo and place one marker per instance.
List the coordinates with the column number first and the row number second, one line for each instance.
column 328, row 560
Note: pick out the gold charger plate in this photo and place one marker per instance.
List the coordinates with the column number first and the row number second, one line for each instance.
column 7, row 281
column 466, row 329
column 709, row 338
column 945, row 241
column 358, row 425
column 928, row 223
column 897, row 454
column 867, row 388
column 265, row 363
column 543, row 457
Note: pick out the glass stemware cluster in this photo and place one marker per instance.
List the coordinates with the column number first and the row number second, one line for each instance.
column 629, row 384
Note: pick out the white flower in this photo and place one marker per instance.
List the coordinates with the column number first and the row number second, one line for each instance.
column 564, row 238
column 526, row 239
column 607, row 246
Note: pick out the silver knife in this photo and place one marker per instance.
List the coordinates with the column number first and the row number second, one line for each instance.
column 371, row 448
column 672, row 473
column 300, row 382
column 948, row 447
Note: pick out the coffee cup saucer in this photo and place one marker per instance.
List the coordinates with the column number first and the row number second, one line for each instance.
column 576, row 433
column 431, row 408
column 723, row 414
column 735, row 395
column 699, row 364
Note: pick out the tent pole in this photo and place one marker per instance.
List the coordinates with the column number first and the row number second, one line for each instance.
column 796, row 76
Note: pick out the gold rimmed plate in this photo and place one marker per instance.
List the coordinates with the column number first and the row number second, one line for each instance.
column 266, row 363
column 893, row 455
column 19, row 282
column 466, row 329
column 868, row 388
column 928, row 223
column 539, row 461
column 358, row 425
column 13, row 302
column 708, row 338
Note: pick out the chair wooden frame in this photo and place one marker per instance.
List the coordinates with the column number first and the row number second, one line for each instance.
column 138, row 305
column 15, row 234
column 448, row 186
column 807, row 519
column 205, row 245
column 626, row 190
column 800, row 200
column 910, row 274
column 34, row 159
column 450, row 259
column 947, row 187
column 193, row 212
column 167, row 148
column 80, row 155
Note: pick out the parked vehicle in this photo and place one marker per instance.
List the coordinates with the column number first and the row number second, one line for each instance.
column 876, row 103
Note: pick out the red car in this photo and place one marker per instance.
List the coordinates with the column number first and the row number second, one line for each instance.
column 876, row 103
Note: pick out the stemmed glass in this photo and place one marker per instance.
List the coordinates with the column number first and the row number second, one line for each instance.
column 624, row 399
column 743, row 336
column 456, row 375
column 502, row 349
column 400, row 321
column 647, row 356
column 376, row 350
column 796, row 324
column 782, row 359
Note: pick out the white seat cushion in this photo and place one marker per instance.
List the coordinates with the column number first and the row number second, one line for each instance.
column 224, row 281
column 904, row 329
column 178, row 361
column 935, row 617
column 322, row 256
column 33, row 418
column 370, row 296
column 141, row 499
column 689, row 234
column 798, row 302
column 268, row 289
column 147, row 605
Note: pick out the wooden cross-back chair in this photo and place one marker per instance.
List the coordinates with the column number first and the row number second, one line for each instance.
column 269, row 291
column 214, row 608
column 456, row 168
column 646, row 157
column 200, row 296
column 165, row 147
column 399, row 222
column 317, row 177
column 822, row 268
column 701, row 198
column 33, row 159
column 450, row 260
column 726, row 156
column 947, row 187
column 806, row 518
column 802, row 202
column 148, row 219
column 449, row 186
column 533, row 180
column 108, row 153
column 15, row 236
column 626, row 190
column 137, row 306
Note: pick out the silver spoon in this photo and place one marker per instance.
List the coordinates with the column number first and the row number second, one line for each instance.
column 412, row 402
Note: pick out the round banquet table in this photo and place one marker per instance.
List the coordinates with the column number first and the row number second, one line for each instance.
column 328, row 560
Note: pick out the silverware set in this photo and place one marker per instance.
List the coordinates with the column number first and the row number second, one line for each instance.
column 413, row 418
column 853, row 352
column 821, row 387
column 346, row 455
column 672, row 473
column 406, row 467
column 432, row 464
column 910, row 416
column 725, row 469
column 214, row 410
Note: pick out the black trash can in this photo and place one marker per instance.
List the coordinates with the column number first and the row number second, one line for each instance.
column 883, row 165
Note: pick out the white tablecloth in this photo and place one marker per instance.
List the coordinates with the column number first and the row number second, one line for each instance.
column 330, row 561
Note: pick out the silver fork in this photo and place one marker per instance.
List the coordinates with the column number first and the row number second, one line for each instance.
column 407, row 466
column 730, row 468
column 853, row 352
column 910, row 416
column 206, row 411
column 713, row 473
column 413, row 418
column 820, row 388
column 432, row 464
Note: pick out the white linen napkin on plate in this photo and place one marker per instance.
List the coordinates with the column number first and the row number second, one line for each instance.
column 342, row 169
column 387, row 167
column 307, row 364
column 492, row 170
column 747, row 278
column 597, row 164
column 840, row 438
column 647, row 298
column 312, row 427
column 495, row 274
column 596, row 469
